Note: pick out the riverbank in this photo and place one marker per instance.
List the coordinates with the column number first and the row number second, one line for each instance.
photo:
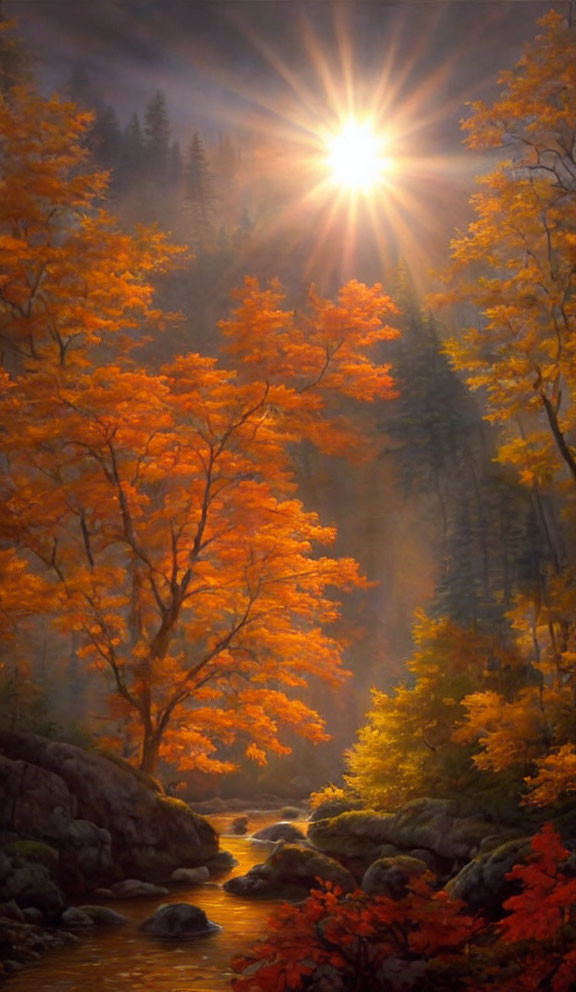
column 124, row 960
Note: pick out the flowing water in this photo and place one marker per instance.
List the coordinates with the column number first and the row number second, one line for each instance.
column 120, row 959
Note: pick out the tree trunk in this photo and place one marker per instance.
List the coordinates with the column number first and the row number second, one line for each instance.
column 150, row 752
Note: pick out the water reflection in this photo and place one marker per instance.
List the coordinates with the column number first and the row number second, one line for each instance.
column 124, row 960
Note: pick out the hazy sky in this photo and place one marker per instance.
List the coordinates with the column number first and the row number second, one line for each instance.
column 277, row 74
column 223, row 61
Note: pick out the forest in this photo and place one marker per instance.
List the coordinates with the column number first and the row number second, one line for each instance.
column 272, row 528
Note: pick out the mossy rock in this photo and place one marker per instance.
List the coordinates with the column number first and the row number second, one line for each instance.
column 290, row 873
column 483, row 884
column 330, row 808
column 36, row 852
column 391, row 876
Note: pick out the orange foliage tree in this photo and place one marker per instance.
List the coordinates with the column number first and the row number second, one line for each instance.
column 517, row 260
column 162, row 503
column 517, row 265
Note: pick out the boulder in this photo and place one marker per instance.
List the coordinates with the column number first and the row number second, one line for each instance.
column 432, row 825
column 133, row 888
column 190, row 876
column 334, row 807
column 102, row 916
column 391, row 876
column 482, row 883
column 111, row 817
column 178, row 921
column 33, row 915
column 75, row 919
column 290, row 813
column 222, row 862
column 290, row 873
column 239, row 825
column 279, row 831
column 30, row 885
column 38, row 806
column 11, row 911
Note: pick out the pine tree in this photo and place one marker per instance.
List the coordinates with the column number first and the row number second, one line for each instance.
column 198, row 190
column 157, row 138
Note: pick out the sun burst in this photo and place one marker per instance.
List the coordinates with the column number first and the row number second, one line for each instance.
column 356, row 157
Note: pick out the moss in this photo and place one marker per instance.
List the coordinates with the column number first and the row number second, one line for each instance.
column 36, row 852
column 175, row 803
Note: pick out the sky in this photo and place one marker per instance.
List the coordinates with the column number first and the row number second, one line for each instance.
column 280, row 73
column 229, row 62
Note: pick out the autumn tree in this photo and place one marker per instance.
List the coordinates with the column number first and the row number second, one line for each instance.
column 516, row 263
column 161, row 504
column 407, row 748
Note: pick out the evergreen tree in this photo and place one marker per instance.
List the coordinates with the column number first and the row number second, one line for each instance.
column 491, row 536
column 131, row 166
column 198, row 190
column 106, row 140
column 175, row 165
column 157, row 138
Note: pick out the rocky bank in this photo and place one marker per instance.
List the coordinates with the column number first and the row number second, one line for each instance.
column 74, row 823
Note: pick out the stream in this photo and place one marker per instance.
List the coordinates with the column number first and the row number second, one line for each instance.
column 120, row 959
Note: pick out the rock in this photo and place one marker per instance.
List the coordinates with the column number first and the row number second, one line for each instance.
column 222, row 862
column 279, row 831
column 482, row 883
column 421, row 854
column 102, row 916
column 177, row 921
column 290, row 873
column 334, row 807
column 11, row 911
column 433, row 825
column 40, row 807
column 190, row 876
column 290, row 813
column 103, row 893
column 101, row 810
column 30, row 884
column 33, row 915
column 391, row 876
column 23, row 943
column 75, row 919
column 239, row 825
column 133, row 888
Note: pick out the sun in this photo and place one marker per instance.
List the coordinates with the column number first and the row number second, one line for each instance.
column 356, row 159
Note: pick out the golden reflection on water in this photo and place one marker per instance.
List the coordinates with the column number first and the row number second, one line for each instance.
column 120, row 959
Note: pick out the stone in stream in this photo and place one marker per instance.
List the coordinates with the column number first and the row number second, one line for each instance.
column 222, row 862
column 290, row 873
column 179, row 920
column 102, row 916
column 190, row 876
column 75, row 919
column 279, row 831
column 133, row 888
column 239, row 825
